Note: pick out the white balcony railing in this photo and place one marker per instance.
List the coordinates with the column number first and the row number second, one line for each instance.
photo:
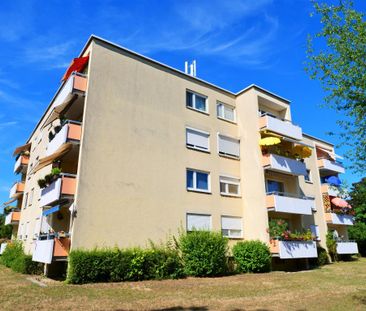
column 12, row 218
column 70, row 131
column 76, row 82
column 295, row 249
column 282, row 164
column 282, row 202
column 63, row 186
column 339, row 219
column 16, row 188
column 332, row 166
column 283, row 127
column 20, row 162
column 43, row 251
column 347, row 248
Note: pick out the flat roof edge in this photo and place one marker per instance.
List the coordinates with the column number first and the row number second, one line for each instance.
column 318, row 139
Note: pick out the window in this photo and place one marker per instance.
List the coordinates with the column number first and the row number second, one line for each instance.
column 21, row 231
column 308, row 176
column 315, row 231
column 226, row 112
column 229, row 186
column 25, row 200
column 275, row 186
column 31, row 197
column 229, row 146
column 26, row 228
column 231, row 227
column 195, row 101
column 198, row 181
column 37, row 227
column 197, row 139
column 198, row 222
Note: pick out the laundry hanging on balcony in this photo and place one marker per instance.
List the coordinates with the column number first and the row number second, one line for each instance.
column 77, row 64
column 333, row 180
column 269, row 141
column 340, row 203
column 21, row 149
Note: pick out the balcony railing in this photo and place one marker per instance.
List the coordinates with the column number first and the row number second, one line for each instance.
column 63, row 187
column 331, row 190
column 288, row 203
column 293, row 249
column 339, row 219
column 12, row 218
column 282, row 164
column 21, row 163
column 280, row 126
column 76, row 83
column 71, row 131
column 53, row 249
column 330, row 166
column 347, row 248
column 18, row 187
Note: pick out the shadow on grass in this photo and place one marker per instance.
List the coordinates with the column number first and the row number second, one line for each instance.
column 360, row 298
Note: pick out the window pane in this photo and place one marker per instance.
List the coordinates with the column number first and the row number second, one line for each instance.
column 225, row 232
column 222, row 187
column 235, row 233
column 198, row 222
column 189, row 179
column 274, row 186
column 233, row 189
column 219, row 110
column 229, row 113
column 200, row 103
column 202, row 181
column 229, row 146
column 197, row 139
column 189, row 100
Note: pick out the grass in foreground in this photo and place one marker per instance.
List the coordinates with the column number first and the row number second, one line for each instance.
column 340, row 286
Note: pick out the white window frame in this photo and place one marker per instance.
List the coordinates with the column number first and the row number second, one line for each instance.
column 198, row 214
column 310, row 180
column 223, row 105
column 198, row 147
column 25, row 200
column 206, row 111
column 30, row 197
column 222, row 154
column 229, row 235
column 194, row 188
column 227, row 182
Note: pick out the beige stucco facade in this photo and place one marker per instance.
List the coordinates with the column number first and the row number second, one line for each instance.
column 131, row 161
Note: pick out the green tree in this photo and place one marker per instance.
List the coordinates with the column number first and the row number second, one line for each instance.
column 5, row 230
column 337, row 57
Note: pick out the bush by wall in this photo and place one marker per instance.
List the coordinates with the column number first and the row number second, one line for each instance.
column 322, row 258
column 115, row 265
column 252, row 256
column 358, row 233
column 204, row 253
column 14, row 257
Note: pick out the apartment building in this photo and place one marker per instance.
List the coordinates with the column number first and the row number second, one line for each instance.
column 131, row 150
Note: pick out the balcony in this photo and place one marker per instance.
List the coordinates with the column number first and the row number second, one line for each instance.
column 21, row 164
column 12, row 218
column 70, row 132
column 287, row 203
column 17, row 188
column 63, row 187
column 283, row 127
column 330, row 167
column 331, row 190
column 293, row 249
column 347, row 248
column 339, row 219
column 52, row 249
column 75, row 84
column 284, row 165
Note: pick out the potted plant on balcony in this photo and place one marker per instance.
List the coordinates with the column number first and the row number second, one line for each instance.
column 42, row 183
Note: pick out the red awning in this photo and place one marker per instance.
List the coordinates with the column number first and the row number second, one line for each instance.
column 340, row 203
column 77, row 64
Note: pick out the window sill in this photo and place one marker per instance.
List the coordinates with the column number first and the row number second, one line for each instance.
column 199, row 191
column 197, row 110
column 233, row 238
column 227, row 120
column 230, row 195
column 229, row 156
column 197, row 149
column 309, row 182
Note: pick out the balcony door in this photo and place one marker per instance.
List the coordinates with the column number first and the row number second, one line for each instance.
column 275, row 186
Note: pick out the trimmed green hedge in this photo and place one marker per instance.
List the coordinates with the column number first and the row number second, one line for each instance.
column 115, row 265
column 14, row 257
column 252, row 256
column 204, row 253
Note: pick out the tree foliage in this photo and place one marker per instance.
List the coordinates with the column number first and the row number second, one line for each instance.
column 358, row 200
column 337, row 57
column 5, row 230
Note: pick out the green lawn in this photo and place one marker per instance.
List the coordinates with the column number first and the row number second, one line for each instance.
column 340, row 286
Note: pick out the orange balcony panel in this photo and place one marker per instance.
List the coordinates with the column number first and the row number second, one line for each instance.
column 16, row 216
column 270, row 201
column 74, row 132
column 61, row 247
column 68, row 185
column 274, row 246
column 80, row 83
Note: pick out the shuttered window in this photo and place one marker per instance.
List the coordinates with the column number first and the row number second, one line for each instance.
column 197, row 139
column 231, row 226
column 198, row 222
column 229, row 146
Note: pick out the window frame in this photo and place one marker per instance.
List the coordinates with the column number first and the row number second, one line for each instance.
column 222, row 104
column 206, row 111
column 276, row 181
column 241, row 228
column 308, row 174
column 198, row 214
column 237, row 183
column 188, row 128
column 194, row 181
column 227, row 155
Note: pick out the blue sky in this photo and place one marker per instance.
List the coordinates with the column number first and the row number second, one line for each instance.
column 235, row 43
